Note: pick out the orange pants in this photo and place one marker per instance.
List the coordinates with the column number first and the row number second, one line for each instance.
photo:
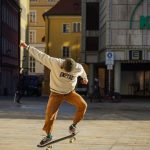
column 54, row 102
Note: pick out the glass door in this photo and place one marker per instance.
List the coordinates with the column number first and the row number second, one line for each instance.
column 147, row 83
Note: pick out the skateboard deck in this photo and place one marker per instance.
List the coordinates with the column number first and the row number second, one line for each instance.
column 71, row 138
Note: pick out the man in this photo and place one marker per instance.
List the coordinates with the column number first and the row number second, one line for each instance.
column 63, row 79
column 19, row 90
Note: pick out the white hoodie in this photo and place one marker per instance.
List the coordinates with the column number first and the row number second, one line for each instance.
column 61, row 82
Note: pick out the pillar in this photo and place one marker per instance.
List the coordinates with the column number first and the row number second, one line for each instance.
column 91, row 78
column 117, row 77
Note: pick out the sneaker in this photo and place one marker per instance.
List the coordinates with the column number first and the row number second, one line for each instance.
column 45, row 140
column 72, row 129
column 18, row 102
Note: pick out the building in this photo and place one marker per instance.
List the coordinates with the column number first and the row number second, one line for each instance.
column 23, row 34
column 36, row 33
column 63, row 32
column 0, row 49
column 122, row 29
column 9, row 45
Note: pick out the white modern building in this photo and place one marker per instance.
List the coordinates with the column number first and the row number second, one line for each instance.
column 121, row 27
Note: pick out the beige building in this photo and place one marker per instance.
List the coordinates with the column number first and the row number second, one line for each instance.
column 36, row 32
column 63, row 33
column 23, row 34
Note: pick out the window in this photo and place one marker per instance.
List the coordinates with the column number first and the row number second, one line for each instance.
column 33, row 1
column 0, row 77
column 51, row 0
column 92, row 43
column 32, row 64
column 66, row 28
column 65, row 52
column 32, row 36
column 92, row 16
column 76, row 27
column 3, row 45
column 32, row 17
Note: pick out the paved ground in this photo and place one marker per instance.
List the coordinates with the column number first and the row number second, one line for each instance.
column 107, row 126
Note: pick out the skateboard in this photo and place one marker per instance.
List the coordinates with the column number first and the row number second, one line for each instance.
column 48, row 145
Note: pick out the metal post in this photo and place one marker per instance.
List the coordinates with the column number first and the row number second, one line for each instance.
column 109, row 81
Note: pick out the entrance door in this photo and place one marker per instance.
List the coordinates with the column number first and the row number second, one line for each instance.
column 147, row 83
column 140, row 83
column 144, row 83
column 135, row 79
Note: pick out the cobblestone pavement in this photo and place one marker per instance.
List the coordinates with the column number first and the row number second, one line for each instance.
column 107, row 126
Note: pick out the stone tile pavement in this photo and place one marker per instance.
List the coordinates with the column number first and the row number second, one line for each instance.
column 107, row 126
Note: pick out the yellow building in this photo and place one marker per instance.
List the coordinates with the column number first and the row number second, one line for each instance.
column 23, row 32
column 37, row 31
column 63, row 32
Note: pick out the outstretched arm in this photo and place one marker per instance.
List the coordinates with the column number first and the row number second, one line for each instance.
column 38, row 55
column 84, row 77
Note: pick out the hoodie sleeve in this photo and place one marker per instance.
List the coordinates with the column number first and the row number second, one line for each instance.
column 43, row 58
column 83, row 73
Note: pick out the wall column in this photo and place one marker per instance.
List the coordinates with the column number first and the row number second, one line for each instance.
column 91, row 78
column 117, row 77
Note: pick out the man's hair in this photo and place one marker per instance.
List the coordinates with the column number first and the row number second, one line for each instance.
column 69, row 64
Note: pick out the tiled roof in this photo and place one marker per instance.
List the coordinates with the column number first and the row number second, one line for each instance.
column 65, row 7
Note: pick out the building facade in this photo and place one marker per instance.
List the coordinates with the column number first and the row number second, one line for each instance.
column 36, row 32
column 9, row 46
column 121, row 28
column 23, row 34
column 63, row 32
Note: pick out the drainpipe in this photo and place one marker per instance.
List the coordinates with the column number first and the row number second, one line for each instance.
column 19, row 32
column 47, row 46
column 46, row 71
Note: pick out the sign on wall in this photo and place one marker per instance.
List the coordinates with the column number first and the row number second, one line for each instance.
column 135, row 55
column 109, row 58
column 145, row 22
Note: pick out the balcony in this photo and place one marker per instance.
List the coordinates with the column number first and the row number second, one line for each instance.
column 91, row 56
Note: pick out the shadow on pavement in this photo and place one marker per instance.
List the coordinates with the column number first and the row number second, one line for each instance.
column 34, row 108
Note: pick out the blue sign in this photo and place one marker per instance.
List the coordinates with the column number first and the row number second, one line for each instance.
column 109, row 58
column 109, row 55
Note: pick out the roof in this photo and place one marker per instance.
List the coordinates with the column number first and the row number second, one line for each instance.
column 65, row 7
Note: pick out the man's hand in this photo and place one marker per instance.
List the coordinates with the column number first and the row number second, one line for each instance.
column 84, row 81
column 23, row 44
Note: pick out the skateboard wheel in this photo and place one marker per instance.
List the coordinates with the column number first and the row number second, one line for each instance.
column 49, row 147
column 72, row 140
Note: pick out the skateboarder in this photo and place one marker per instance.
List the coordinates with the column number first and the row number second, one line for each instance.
column 63, row 79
